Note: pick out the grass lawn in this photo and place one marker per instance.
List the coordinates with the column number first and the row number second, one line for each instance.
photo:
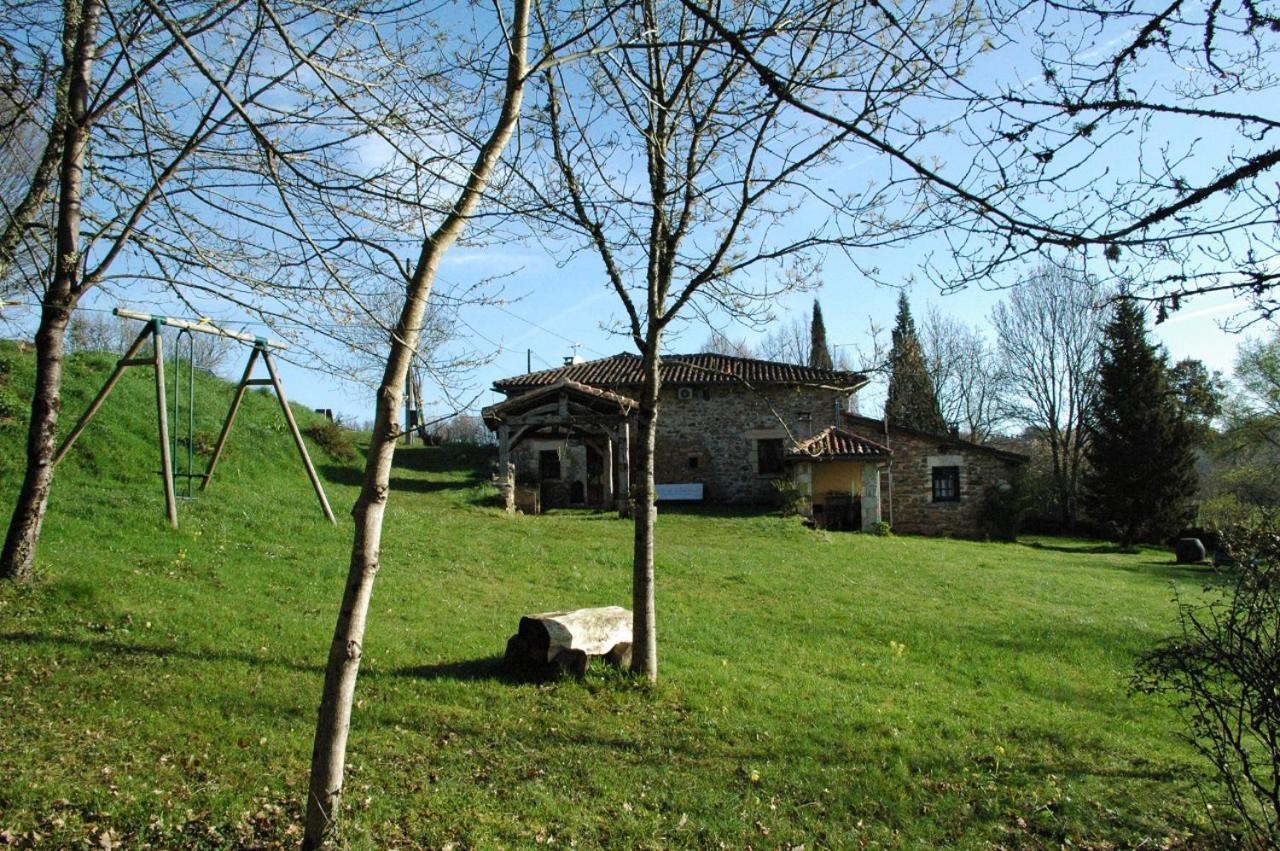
column 158, row 688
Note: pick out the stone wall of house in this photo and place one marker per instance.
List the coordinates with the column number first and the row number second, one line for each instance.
column 907, row 500
column 710, row 434
column 574, row 468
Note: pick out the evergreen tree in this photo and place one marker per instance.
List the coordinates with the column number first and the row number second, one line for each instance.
column 1142, row 474
column 912, row 401
column 819, row 353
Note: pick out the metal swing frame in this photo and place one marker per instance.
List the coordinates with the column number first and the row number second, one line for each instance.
column 262, row 348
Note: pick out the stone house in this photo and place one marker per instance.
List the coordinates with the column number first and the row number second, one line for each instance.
column 729, row 430
column 935, row 483
column 726, row 430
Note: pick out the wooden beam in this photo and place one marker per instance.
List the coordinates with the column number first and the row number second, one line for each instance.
column 568, row 419
column 624, row 469
column 505, row 483
column 231, row 418
column 204, row 326
column 297, row 435
column 126, row 361
column 166, row 468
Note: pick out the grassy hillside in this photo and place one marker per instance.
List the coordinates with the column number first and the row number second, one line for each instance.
column 825, row 690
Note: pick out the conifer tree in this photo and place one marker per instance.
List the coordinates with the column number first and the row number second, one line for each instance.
column 819, row 353
column 913, row 400
column 1141, row 476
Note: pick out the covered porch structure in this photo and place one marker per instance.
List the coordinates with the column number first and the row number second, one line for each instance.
column 839, row 475
column 561, row 415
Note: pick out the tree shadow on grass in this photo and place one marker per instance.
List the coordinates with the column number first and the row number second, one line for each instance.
column 1205, row 574
column 487, row 668
column 117, row 648
column 355, row 478
column 1082, row 548
column 450, row 458
column 715, row 509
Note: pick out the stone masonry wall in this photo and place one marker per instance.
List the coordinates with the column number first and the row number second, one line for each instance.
column 908, row 485
column 710, row 435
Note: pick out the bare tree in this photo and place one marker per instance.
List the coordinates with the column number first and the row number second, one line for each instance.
column 1049, row 333
column 408, row 121
column 139, row 180
column 1139, row 141
column 24, row 247
column 722, row 344
column 789, row 342
column 967, row 374
column 90, row 331
column 677, row 168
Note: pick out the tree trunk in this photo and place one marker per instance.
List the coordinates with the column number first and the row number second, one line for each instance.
column 333, row 722
column 28, row 513
column 644, row 652
column 80, row 27
column 328, row 756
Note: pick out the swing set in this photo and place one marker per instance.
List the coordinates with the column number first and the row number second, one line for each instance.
column 170, row 469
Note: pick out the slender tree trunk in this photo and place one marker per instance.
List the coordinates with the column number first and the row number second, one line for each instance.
column 28, row 514
column 333, row 723
column 644, row 649
column 80, row 28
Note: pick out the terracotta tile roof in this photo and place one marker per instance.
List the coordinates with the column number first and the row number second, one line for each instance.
column 943, row 440
column 623, row 370
column 836, row 443
column 594, row 397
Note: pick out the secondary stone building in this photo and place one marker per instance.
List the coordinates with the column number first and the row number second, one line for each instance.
column 935, row 484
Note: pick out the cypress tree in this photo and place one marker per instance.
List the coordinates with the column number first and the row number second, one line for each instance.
column 913, row 400
column 819, row 353
column 1141, row 478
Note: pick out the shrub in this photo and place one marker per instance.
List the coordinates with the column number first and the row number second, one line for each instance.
column 1003, row 509
column 1225, row 511
column 789, row 496
column 1221, row 672
column 881, row 529
column 333, row 439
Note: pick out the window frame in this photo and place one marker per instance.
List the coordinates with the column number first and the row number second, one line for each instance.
column 948, row 474
column 780, row 457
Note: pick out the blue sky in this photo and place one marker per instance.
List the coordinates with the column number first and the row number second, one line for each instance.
column 549, row 309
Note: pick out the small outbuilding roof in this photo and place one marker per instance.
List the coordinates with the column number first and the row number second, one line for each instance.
column 943, row 440
column 593, row 398
column 834, row 444
column 624, row 370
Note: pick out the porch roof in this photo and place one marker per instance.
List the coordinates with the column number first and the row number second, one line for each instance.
column 580, row 395
column 837, row 444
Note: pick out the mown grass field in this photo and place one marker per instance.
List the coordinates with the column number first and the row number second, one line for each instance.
column 158, row 688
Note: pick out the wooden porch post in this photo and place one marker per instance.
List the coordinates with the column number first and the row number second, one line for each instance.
column 624, row 469
column 870, row 496
column 607, row 481
column 505, row 484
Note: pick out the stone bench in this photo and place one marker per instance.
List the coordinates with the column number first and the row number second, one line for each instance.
column 564, row 642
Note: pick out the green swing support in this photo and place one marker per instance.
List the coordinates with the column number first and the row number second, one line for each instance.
column 169, row 469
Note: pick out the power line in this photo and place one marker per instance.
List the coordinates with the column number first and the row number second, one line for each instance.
column 545, row 330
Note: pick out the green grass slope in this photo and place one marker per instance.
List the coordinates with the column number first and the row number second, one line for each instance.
column 158, row 688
